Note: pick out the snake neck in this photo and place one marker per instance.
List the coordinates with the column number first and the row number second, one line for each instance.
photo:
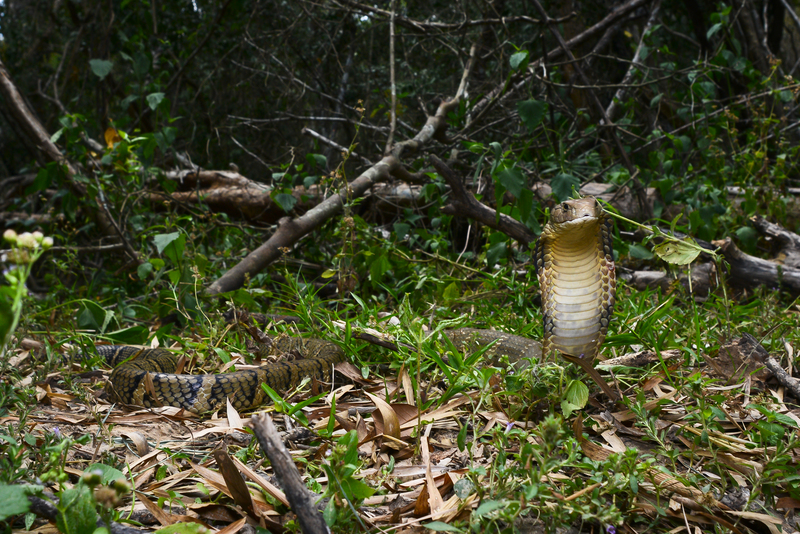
column 576, row 274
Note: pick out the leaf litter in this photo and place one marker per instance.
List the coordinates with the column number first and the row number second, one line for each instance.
column 434, row 467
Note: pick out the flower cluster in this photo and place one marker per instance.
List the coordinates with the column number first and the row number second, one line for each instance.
column 24, row 244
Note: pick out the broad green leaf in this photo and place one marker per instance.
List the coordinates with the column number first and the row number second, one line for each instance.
column 512, row 179
column 76, row 513
column 108, row 474
column 286, row 201
column 451, row 292
column 531, row 112
column 748, row 238
column 184, row 528
column 640, row 252
column 678, row 252
column 101, row 67
column 162, row 240
column 154, row 99
column 15, row 499
column 577, row 394
column 562, row 185
column 134, row 335
column 439, row 526
column 488, row 506
column 519, row 60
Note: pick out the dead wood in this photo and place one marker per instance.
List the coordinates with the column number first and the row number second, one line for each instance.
column 230, row 192
column 703, row 278
column 45, row 151
column 463, row 204
column 300, row 498
column 788, row 252
column 34, row 136
column 640, row 358
column 751, row 348
column 748, row 271
column 291, row 230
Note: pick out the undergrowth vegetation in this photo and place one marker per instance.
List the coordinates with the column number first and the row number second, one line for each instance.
column 521, row 435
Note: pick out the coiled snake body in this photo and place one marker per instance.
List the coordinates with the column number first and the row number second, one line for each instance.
column 575, row 266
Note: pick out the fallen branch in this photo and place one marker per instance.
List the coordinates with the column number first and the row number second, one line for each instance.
column 300, row 498
column 748, row 271
column 291, row 230
column 760, row 354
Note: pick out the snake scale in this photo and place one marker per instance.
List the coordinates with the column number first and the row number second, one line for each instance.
column 575, row 267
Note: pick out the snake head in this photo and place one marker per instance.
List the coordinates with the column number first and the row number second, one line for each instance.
column 576, row 210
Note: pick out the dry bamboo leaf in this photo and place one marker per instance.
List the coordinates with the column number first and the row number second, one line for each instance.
column 236, row 485
column 234, row 527
column 234, row 419
column 269, row 488
column 139, row 441
column 389, row 424
column 434, row 497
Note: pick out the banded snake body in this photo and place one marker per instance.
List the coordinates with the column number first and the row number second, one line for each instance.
column 575, row 267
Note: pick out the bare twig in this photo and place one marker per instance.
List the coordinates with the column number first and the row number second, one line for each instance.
column 392, row 84
column 619, row 96
column 641, row 193
column 464, row 204
column 334, row 144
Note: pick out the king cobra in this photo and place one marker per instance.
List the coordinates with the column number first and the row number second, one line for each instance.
column 575, row 267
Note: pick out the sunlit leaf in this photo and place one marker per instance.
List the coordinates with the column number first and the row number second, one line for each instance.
column 678, row 252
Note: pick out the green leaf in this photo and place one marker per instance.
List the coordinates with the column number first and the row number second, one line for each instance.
column 134, row 335
column 154, row 99
column 329, row 514
column 162, row 240
column 488, row 506
column 577, row 394
column 495, row 252
column 379, row 267
column 748, row 238
column 92, row 316
column 451, row 292
column 141, row 64
column 512, row 179
column 108, row 474
column 677, row 252
column 640, row 252
column 356, row 489
column 171, row 245
column 531, row 112
column 183, row 528
column 76, row 513
column 562, row 185
column 144, row 270
column 439, row 526
column 15, row 499
column 101, row 67
column 286, row 201
column 519, row 60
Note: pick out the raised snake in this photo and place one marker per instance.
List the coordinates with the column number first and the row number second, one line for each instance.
column 575, row 267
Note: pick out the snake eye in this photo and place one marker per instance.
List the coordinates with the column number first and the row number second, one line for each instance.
column 565, row 206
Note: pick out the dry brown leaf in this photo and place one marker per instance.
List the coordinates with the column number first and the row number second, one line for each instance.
column 111, row 136
column 389, row 425
column 139, row 441
column 236, row 485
